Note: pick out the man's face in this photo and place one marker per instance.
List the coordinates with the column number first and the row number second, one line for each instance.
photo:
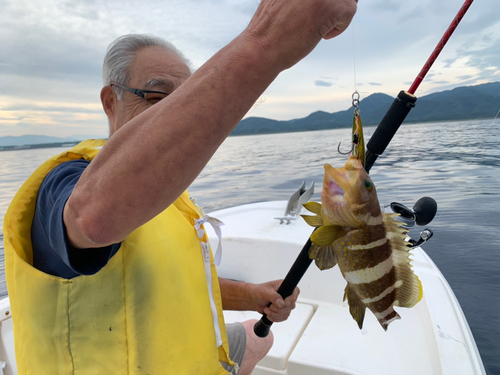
column 153, row 68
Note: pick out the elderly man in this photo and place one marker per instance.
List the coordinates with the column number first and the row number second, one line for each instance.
column 107, row 272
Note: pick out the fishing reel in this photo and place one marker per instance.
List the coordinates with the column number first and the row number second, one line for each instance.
column 422, row 214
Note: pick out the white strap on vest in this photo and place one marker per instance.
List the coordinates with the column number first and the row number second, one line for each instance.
column 216, row 224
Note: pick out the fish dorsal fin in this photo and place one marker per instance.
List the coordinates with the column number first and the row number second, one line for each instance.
column 324, row 257
column 408, row 285
column 356, row 307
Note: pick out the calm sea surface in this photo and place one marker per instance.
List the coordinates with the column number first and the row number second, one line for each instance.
column 456, row 163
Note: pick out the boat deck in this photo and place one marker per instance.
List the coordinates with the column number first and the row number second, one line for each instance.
column 320, row 336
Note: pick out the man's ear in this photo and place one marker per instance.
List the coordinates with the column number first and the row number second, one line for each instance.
column 108, row 100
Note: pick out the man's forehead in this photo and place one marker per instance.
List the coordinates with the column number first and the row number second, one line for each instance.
column 157, row 66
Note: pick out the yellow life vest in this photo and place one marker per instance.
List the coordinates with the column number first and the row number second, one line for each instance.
column 150, row 310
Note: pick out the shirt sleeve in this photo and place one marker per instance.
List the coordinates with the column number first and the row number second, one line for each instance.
column 52, row 253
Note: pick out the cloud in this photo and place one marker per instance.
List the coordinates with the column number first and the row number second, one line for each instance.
column 52, row 108
column 247, row 8
column 486, row 60
column 322, row 83
column 51, row 53
column 23, row 125
column 385, row 6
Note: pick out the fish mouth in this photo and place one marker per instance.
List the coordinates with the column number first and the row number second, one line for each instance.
column 336, row 181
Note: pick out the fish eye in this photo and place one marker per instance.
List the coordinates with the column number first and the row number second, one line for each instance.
column 369, row 185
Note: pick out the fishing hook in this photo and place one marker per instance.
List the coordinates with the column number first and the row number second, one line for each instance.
column 345, row 153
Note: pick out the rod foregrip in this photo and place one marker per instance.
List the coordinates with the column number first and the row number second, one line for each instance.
column 292, row 279
column 389, row 125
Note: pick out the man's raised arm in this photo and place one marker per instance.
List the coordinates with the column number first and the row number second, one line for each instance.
column 153, row 158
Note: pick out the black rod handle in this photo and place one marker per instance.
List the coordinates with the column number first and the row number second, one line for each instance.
column 389, row 125
column 292, row 279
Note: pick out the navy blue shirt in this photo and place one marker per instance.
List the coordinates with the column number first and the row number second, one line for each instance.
column 52, row 253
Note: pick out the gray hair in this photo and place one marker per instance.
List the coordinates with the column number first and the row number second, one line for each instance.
column 121, row 53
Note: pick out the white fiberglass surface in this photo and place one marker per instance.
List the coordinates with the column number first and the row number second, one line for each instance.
column 431, row 338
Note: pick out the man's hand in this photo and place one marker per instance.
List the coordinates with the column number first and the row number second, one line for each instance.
column 265, row 294
column 263, row 298
column 288, row 30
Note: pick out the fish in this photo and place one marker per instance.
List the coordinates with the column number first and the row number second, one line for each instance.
column 367, row 244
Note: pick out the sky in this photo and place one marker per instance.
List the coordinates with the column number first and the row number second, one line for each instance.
column 51, row 54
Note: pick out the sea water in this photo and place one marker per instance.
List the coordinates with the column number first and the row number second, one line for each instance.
column 456, row 163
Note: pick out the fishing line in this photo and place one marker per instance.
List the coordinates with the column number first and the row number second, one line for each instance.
column 397, row 113
column 354, row 59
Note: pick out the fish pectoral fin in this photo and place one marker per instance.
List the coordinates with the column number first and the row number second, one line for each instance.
column 356, row 307
column 325, row 235
column 324, row 257
column 313, row 221
column 314, row 207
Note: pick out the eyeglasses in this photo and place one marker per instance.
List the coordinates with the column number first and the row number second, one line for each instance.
column 151, row 96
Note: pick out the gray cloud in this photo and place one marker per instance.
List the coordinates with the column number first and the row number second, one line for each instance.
column 51, row 55
column 323, row 83
column 484, row 58
column 23, row 125
column 247, row 8
column 385, row 6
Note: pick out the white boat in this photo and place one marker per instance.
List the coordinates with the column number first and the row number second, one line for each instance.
column 320, row 337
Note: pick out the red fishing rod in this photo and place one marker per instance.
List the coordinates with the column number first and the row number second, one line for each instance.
column 405, row 100
column 382, row 136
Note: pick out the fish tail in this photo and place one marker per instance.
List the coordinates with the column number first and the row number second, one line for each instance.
column 387, row 317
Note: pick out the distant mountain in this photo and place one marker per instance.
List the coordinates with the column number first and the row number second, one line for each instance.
column 40, row 139
column 461, row 103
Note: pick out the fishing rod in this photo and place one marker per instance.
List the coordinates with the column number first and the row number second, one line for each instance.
column 405, row 100
column 380, row 139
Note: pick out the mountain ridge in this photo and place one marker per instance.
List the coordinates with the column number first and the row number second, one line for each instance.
column 461, row 103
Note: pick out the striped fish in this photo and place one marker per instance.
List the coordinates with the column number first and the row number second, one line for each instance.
column 368, row 245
